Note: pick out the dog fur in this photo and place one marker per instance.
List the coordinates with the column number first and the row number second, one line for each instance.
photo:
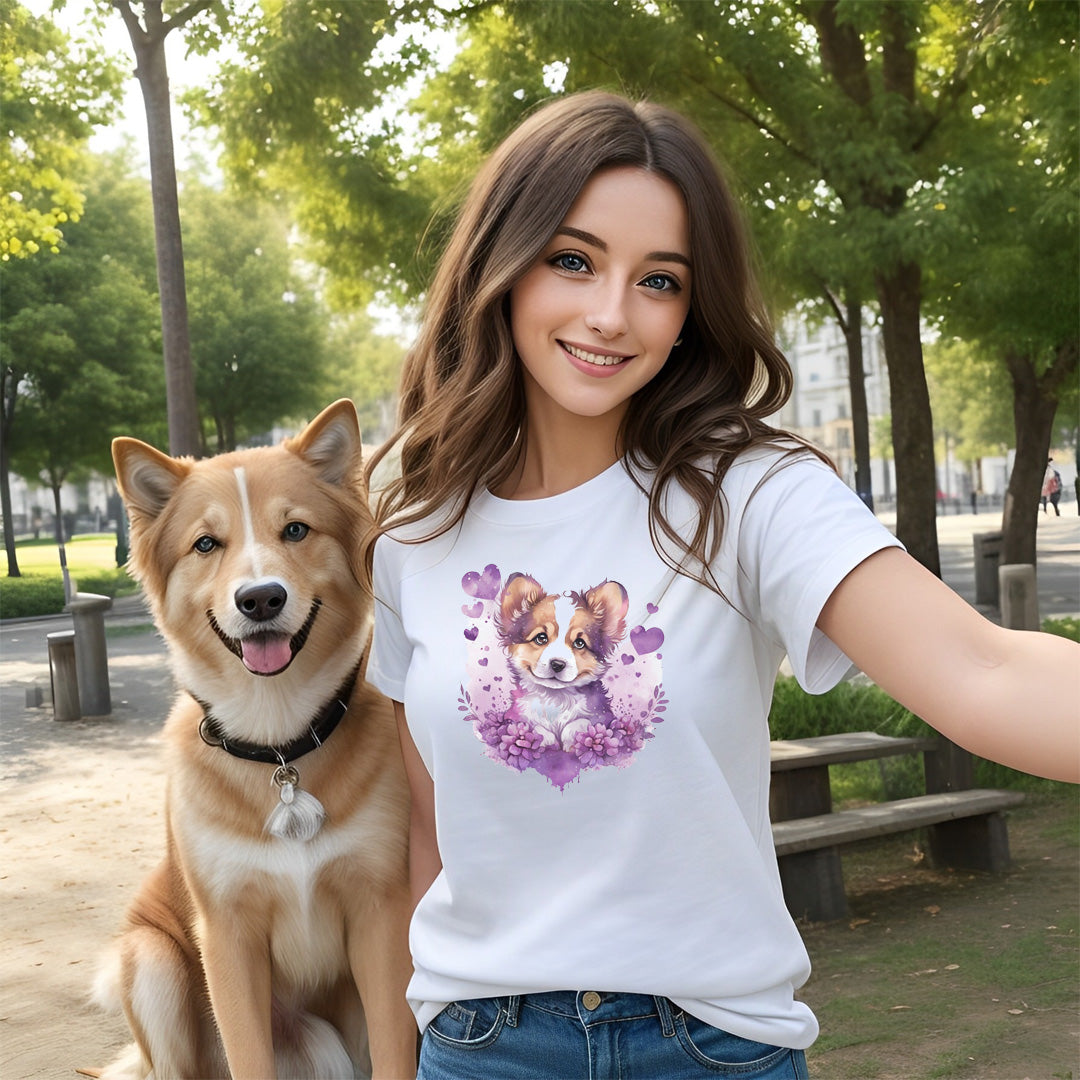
column 248, row 954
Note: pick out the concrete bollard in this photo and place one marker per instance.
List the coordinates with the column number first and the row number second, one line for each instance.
column 987, row 557
column 1019, row 596
column 62, row 675
column 91, row 660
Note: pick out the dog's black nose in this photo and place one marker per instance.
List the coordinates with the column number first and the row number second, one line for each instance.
column 261, row 601
column 557, row 665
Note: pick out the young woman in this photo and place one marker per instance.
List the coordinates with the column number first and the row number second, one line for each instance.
column 590, row 567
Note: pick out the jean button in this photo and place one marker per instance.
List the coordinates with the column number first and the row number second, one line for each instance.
column 590, row 999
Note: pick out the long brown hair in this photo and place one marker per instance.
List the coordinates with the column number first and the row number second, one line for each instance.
column 462, row 404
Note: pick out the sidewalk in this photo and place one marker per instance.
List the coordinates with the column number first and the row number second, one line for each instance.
column 82, row 807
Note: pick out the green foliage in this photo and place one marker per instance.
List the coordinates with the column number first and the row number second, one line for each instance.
column 365, row 366
column 969, row 388
column 52, row 93
column 258, row 333
column 40, row 593
column 795, row 714
column 1064, row 627
column 82, row 334
column 301, row 111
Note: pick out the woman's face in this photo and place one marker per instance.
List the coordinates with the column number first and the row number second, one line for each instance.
column 594, row 318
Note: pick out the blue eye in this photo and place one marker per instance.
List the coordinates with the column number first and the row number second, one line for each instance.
column 570, row 262
column 205, row 544
column 661, row 283
column 295, row 531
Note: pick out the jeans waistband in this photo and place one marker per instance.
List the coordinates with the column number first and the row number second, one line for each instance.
column 596, row 1007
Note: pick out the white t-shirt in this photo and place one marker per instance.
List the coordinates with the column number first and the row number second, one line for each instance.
column 596, row 728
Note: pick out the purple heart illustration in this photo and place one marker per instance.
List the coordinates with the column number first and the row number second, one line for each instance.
column 652, row 609
column 471, row 632
column 646, row 641
column 487, row 688
column 627, row 658
column 474, row 611
column 482, row 661
column 483, row 586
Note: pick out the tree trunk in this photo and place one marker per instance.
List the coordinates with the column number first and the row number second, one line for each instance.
column 899, row 293
column 8, row 389
column 58, row 521
column 1033, row 415
column 860, row 420
column 153, row 79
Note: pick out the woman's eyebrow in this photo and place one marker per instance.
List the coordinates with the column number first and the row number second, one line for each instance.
column 596, row 242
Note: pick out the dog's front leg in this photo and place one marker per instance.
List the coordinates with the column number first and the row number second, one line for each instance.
column 238, row 976
column 381, row 966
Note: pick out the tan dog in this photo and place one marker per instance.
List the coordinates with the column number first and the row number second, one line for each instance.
column 272, row 939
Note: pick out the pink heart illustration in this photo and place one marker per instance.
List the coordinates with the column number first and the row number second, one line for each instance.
column 483, row 586
column 473, row 611
column 646, row 640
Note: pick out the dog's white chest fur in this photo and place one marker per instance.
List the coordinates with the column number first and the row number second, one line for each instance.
column 306, row 936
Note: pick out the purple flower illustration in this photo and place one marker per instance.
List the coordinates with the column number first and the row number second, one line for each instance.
column 597, row 745
column 630, row 735
column 520, row 744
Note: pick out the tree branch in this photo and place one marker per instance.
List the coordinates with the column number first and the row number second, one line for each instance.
column 182, row 18
column 742, row 111
column 139, row 37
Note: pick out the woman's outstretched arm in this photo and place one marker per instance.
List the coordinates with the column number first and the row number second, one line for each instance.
column 1009, row 695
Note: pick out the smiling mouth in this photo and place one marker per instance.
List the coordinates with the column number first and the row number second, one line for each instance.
column 598, row 359
column 266, row 653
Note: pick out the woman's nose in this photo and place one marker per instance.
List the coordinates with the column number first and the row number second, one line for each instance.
column 607, row 313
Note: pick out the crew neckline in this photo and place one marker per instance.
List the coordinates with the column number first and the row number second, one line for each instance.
column 549, row 508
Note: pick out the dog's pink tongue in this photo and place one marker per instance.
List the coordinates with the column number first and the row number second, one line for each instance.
column 267, row 654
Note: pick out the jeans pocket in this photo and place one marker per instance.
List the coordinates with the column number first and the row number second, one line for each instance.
column 469, row 1025
column 731, row 1055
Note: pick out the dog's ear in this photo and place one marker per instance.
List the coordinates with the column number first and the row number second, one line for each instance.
column 518, row 596
column 331, row 443
column 147, row 478
column 609, row 603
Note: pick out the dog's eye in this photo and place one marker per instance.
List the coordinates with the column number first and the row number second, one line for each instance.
column 205, row 544
column 295, row 530
column 580, row 643
column 540, row 639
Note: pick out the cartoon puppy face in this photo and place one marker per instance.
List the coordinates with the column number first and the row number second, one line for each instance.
column 560, row 641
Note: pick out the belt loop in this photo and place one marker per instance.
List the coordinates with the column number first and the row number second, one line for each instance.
column 513, row 1006
column 667, row 1023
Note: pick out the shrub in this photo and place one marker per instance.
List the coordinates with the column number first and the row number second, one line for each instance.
column 36, row 594
column 1066, row 628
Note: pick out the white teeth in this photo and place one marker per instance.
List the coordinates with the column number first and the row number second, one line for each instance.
column 593, row 358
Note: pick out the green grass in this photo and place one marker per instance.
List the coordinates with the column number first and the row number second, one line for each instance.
column 40, row 591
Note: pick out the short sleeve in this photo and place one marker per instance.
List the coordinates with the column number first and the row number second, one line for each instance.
column 391, row 649
column 802, row 531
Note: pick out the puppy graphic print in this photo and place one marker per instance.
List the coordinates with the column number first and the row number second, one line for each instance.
column 556, row 680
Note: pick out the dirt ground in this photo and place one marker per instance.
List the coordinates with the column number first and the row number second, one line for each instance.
column 958, row 975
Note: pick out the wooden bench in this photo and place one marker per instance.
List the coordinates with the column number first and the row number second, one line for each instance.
column 967, row 827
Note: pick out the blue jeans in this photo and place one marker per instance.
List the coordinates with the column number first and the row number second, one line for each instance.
column 590, row 1036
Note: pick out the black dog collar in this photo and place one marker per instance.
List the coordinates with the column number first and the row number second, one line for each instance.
column 319, row 730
